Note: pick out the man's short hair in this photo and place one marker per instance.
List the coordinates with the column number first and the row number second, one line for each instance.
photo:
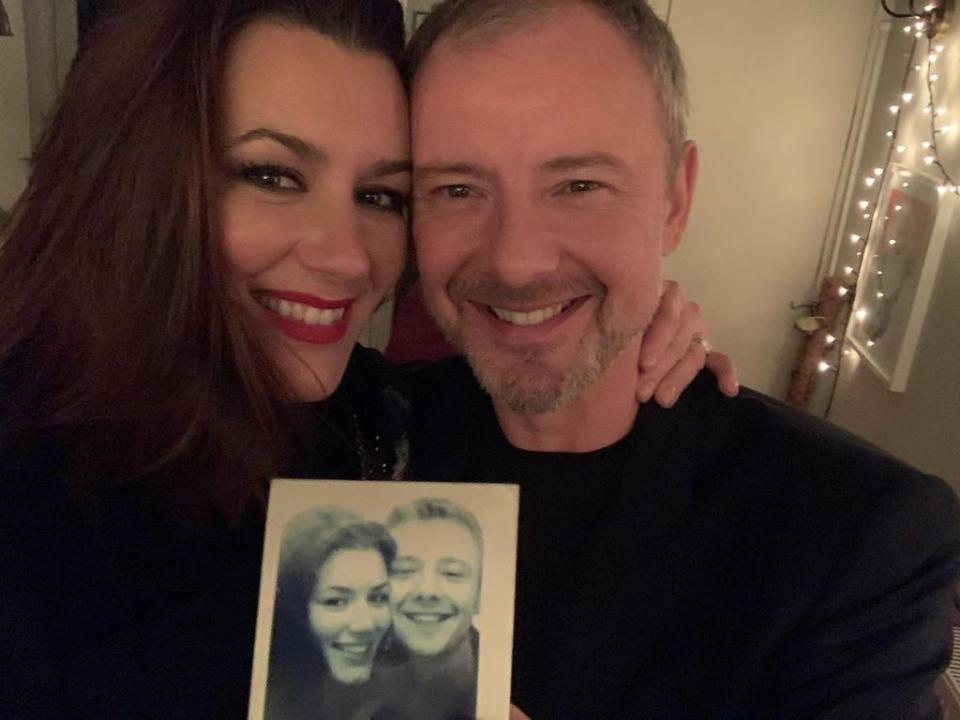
column 427, row 509
column 474, row 23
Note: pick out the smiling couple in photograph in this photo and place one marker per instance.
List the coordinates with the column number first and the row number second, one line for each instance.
column 374, row 621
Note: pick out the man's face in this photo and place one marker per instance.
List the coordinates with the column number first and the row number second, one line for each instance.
column 434, row 584
column 543, row 205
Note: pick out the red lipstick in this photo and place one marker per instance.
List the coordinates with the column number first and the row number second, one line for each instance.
column 303, row 331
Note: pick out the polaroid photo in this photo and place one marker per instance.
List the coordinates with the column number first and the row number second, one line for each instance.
column 386, row 601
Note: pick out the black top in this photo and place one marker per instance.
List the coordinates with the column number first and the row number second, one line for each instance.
column 727, row 559
column 135, row 616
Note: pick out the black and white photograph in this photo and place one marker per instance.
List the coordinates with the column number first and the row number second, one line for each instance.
column 385, row 601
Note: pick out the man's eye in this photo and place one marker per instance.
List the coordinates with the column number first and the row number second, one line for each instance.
column 271, row 177
column 581, row 186
column 456, row 192
column 384, row 199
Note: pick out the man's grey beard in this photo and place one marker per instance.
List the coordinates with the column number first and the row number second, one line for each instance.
column 531, row 398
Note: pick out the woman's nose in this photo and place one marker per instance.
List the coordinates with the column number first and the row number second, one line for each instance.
column 333, row 243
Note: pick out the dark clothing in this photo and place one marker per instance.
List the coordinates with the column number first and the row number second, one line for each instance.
column 728, row 559
column 133, row 615
column 435, row 688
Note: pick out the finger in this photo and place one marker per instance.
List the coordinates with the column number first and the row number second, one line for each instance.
column 691, row 323
column 663, row 326
column 680, row 375
column 726, row 371
column 517, row 714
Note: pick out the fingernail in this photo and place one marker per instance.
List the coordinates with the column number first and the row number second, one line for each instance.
column 669, row 397
column 646, row 391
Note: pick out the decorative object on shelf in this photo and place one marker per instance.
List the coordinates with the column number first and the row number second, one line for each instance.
column 5, row 27
column 820, row 325
column 896, row 278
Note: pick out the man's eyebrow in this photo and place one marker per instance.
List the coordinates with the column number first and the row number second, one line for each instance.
column 422, row 172
column 565, row 163
column 298, row 146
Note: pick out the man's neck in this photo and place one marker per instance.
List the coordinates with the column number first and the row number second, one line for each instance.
column 598, row 417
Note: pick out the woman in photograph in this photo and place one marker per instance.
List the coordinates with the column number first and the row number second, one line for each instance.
column 218, row 206
column 332, row 612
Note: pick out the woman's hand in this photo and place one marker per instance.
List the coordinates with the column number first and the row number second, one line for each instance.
column 675, row 349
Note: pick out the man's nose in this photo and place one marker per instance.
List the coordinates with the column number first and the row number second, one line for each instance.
column 521, row 247
column 427, row 587
column 332, row 241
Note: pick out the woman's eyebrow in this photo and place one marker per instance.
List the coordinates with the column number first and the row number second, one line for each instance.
column 298, row 146
column 385, row 168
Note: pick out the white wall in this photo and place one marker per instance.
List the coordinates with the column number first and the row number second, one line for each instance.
column 773, row 86
column 922, row 424
column 14, row 108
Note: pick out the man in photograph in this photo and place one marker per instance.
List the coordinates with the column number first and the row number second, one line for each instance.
column 429, row 662
column 726, row 559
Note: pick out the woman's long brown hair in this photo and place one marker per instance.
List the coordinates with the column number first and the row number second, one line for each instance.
column 118, row 332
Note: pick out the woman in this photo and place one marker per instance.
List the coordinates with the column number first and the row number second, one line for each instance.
column 332, row 610
column 215, row 211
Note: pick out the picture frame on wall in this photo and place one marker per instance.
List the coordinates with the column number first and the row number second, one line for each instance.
column 901, row 259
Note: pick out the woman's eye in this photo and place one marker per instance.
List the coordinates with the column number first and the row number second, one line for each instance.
column 334, row 603
column 384, row 199
column 581, row 186
column 379, row 598
column 271, row 177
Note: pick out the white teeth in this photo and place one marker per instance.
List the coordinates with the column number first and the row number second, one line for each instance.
column 529, row 318
column 304, row 313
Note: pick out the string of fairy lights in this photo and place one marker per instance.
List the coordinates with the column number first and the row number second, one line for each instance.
column 922, row 77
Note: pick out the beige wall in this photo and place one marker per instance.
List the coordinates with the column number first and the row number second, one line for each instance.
column 922, row 424
column 773, row 86
column 14, row 108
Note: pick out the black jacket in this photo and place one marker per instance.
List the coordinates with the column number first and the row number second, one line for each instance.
column 757, row 563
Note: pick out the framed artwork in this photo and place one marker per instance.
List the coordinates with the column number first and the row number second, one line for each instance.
column 900, row 265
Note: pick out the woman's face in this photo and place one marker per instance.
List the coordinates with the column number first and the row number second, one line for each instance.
column 317, row 181
column 349, row 612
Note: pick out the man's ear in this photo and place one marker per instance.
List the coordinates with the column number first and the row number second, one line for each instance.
column 680, row 197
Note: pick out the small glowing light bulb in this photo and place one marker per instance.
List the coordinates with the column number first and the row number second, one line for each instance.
column 869, row 182
column 901, row 149
column 848, row 270
column 830, row 339
column 894, row 109
column 879, row 294
column 925, row 144
column 898, row 208
column 862, row 314
column 878, row 171
column 889, row 133
column 907, row 97
column 932, row 58
column 879, row 272
column 941, row 112
column 930, row 7
column 864, row 204
column 927, row 109
column 842, row 291
column 943, row 190
column 891, row 242
column 934, row 77
column 939, row 49
column 823, row 366
column 905, row 185
column 929, row 159
column 854, row 238
column 870, row 343
column 906, row 173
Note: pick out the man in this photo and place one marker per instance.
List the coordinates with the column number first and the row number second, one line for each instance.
column 430, row 661
column 728, row 559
